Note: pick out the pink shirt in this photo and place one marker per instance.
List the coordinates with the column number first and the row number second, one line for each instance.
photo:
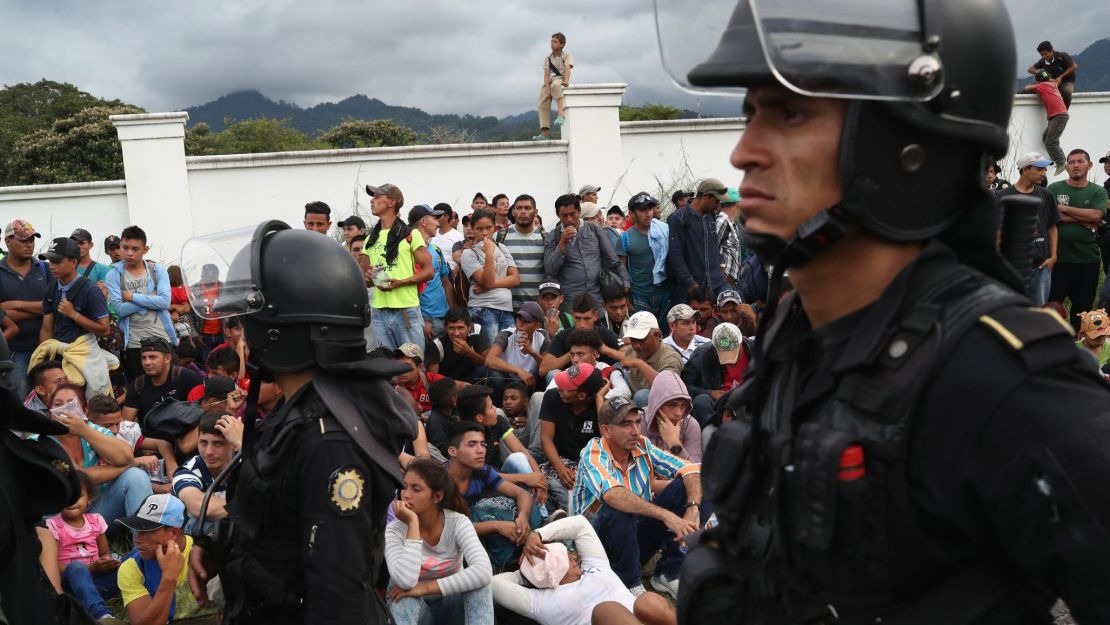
column 1050, row 96
column 77, row 544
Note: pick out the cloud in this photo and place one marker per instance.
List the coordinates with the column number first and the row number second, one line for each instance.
column 480, row 57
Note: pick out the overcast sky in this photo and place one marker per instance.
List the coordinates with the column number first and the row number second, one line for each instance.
column 444, row 56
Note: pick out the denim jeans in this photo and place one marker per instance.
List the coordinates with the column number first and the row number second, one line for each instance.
column 1039, row 285
column 468, row 608
column 122, row 496
column 492, row 321
column 438, row 329
column 22, row 361
column 632, row 540
column 393, row 327
column 90, row 589
column 657, row 302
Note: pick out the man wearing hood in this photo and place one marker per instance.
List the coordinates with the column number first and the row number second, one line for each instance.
column 668, row 423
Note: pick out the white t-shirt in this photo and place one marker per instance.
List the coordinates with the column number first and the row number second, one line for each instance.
column 695, row 343
column 446, row 242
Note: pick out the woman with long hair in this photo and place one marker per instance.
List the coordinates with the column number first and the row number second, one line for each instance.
column 425, row 549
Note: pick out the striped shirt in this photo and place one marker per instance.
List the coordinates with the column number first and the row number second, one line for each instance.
column 598, row 473
column 527, row 252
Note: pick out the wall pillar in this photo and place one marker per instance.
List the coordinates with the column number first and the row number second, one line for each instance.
column 593, row 131
column 157, row 180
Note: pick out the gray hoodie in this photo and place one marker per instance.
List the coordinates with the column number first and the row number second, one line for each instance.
column 667, row 386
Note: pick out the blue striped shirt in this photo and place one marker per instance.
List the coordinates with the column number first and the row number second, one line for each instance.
column 598, row 473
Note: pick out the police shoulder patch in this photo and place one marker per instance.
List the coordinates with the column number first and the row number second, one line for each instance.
column 1019, row 327
column 346, row 487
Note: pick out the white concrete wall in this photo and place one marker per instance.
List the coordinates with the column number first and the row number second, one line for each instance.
column 241, row 190
column 215, row 193
column 55, row 210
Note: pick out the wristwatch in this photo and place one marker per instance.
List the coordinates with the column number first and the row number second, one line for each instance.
column 676, row 449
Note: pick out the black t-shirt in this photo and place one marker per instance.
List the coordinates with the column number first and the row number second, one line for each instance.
column 558, row 346
column 1059, row 64
column 454, row 365
column 1047, row 216
column 495, row 455
column 572, row 431
column 436, row 429
column 177, row 386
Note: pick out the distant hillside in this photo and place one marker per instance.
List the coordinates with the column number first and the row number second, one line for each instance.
column 1094, row 68
column 314, row 120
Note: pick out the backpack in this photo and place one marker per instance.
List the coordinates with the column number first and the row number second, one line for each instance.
column 140, row 382
column 499, row 238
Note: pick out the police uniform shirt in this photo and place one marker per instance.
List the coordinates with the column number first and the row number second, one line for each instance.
column 1020, row 484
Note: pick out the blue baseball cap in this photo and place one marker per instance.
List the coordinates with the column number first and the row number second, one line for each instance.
column 162, row 510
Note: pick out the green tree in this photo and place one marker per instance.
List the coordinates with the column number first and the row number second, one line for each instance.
column 359, row 133
column 648, row 112
column 81, row 148
column 250, row 136
column 26, row 108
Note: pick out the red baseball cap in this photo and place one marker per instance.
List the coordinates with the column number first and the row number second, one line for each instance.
column 582, row 376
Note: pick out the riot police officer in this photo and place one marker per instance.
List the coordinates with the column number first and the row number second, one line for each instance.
column 921, row 445
column 307, row 506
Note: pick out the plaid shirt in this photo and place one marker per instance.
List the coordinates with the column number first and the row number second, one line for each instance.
column 598, row 473
column 729, row 239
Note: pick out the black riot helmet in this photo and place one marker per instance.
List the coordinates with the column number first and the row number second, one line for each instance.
column 930, row 91
column 300, row 296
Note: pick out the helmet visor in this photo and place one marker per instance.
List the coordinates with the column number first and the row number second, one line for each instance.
column 217, row 273
column 859, row 49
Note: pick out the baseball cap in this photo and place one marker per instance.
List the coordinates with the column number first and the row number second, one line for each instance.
column 410, row 350
column 1105, row 158
column 1033, row 159
column 21, row 230
column 729, row 295
column 714, row 187
column 111, row 241
column 548, row 571
column 643, row 200
column 733, row 197
column 680, row 312
column 679, row 195
column 353, row 220
column 588, row 189
column 421, row 211
column 582, row 376
column 388, row 190
column 217, row 387
column 613, row 410
column 81, row 235
column 640, row 325
column 727, row 338
column 530, row 312
column 60, row 248
column 551, row 287
column 155, row 344
column 590, row 210
column 615, row 210
column 162, row 510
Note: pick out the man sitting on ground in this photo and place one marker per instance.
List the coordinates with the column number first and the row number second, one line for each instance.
column 43, row 378
column 516, row 353
column 192, row 480
column 716, row 369
column 502, row 522
column 647, row 355
column 459, row 352
column 444, row 397
column 684, row 337
column 107, row 413
column 160, row 381
column 613, row 489
column 154, row 578
column 503, row 448
column 568, row 422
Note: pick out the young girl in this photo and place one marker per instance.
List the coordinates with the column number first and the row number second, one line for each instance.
column 492, row 273
column 424, row 551
column 86, row 565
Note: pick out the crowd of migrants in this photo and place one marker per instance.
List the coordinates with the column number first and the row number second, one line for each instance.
column 567, row 381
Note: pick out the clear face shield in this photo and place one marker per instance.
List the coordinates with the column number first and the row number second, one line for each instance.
column 219, row 273
column 858, row 49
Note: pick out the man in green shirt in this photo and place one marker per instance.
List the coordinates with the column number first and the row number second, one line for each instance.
column 399, row 262
column 1082, row 206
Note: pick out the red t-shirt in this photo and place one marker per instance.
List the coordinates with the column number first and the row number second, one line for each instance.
column 211, row 327
column 1050, row 96
column 734, row 373
column 420, row 393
